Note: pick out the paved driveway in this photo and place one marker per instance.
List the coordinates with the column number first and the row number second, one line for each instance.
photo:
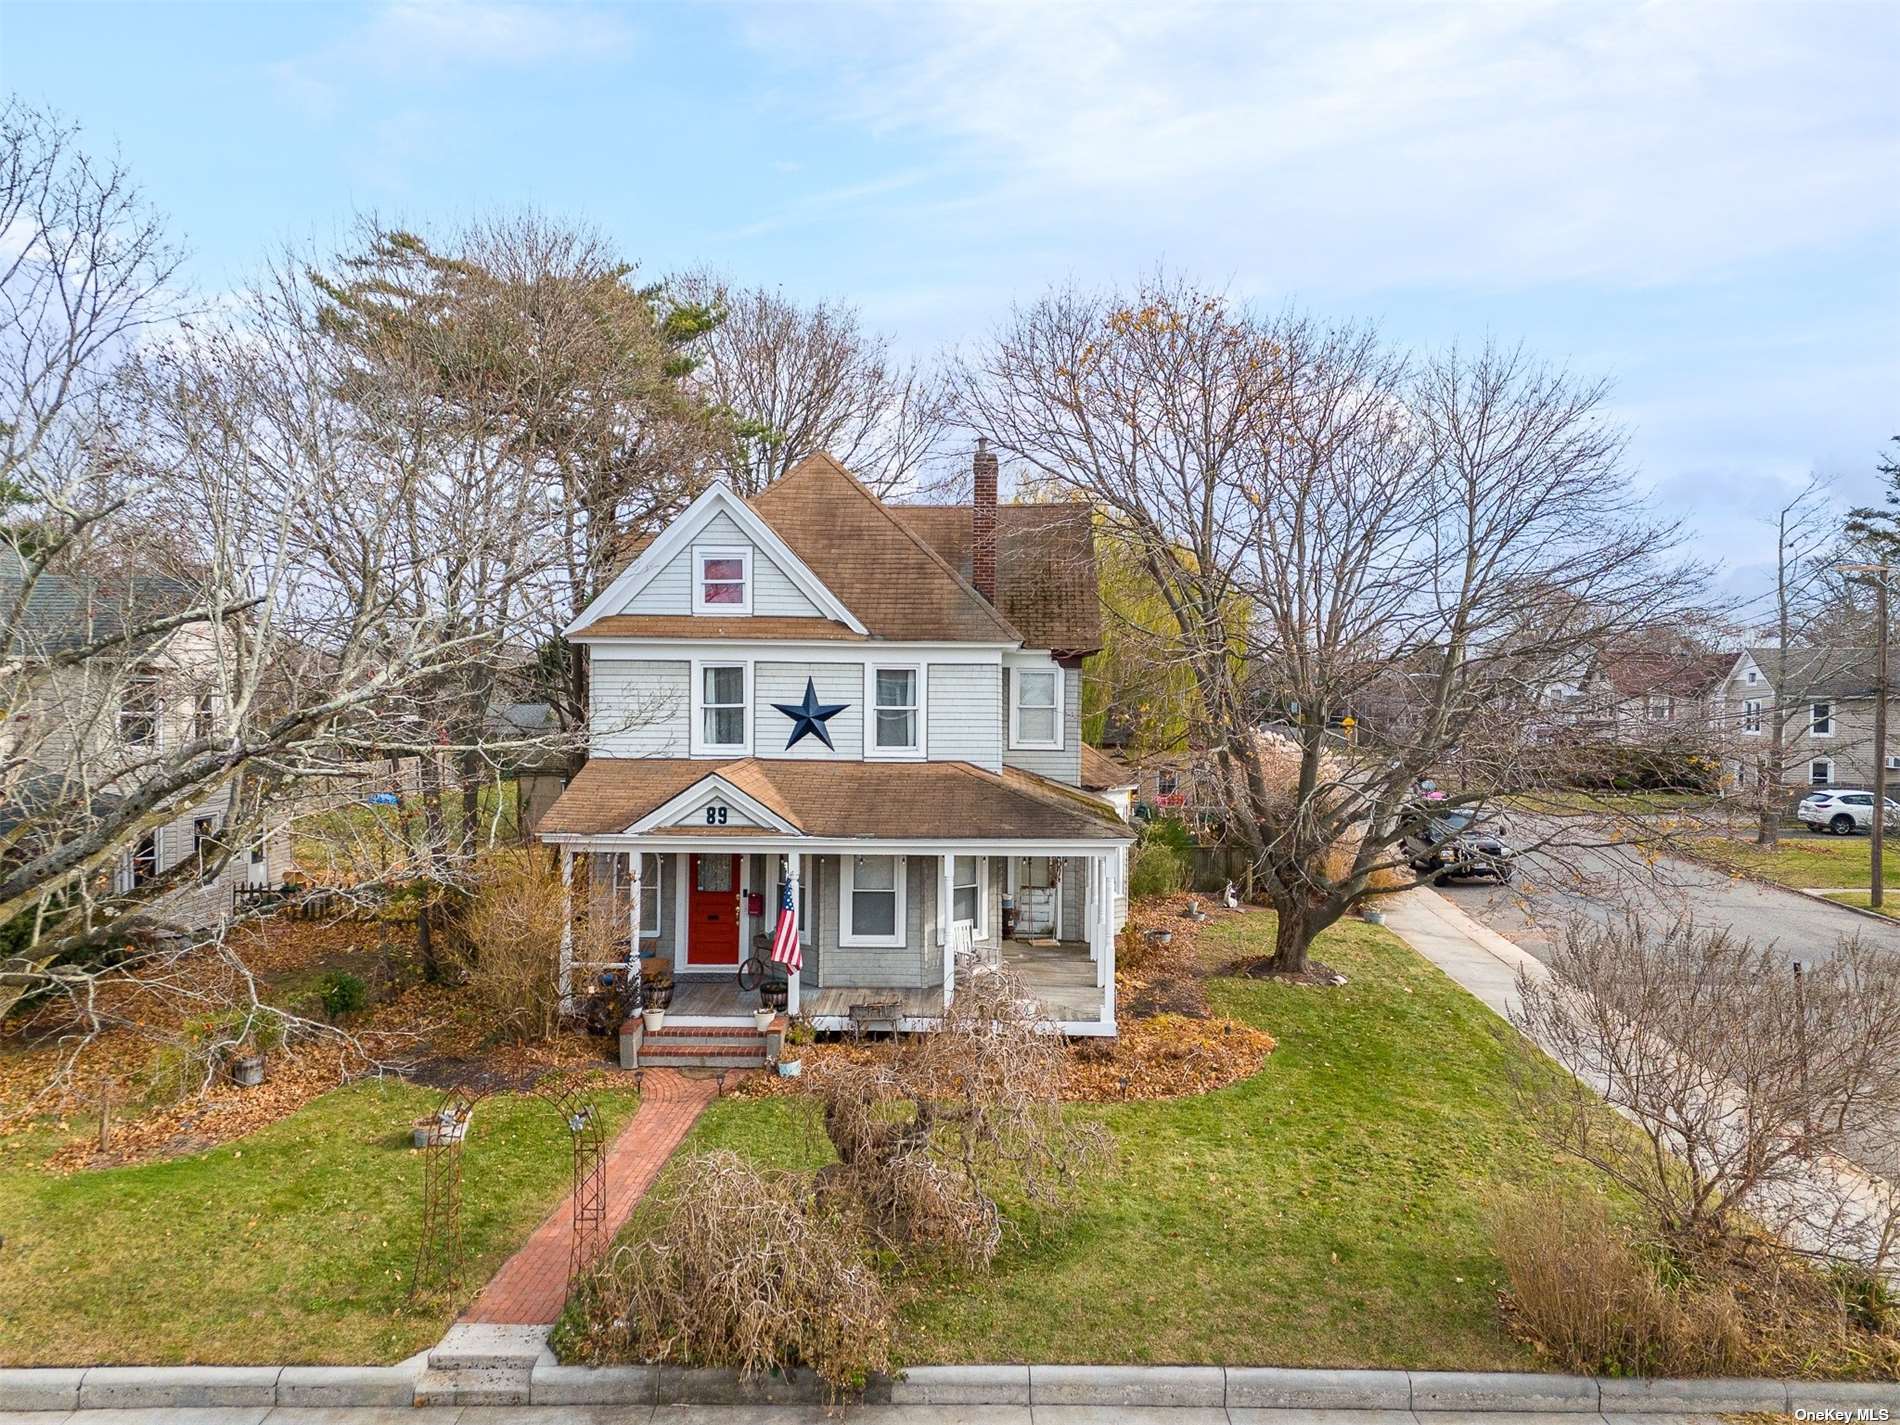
column 1598, row 883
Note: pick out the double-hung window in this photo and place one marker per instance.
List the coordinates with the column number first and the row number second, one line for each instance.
column 722, row 579
column 649, row 890
column 1821, row 771
column 1035, row 707
column 719, row 714
column 1820, row 719
column 873, row 901
column 896, row 696
column 1751, row 715
column 968, row 878
column 138, row 711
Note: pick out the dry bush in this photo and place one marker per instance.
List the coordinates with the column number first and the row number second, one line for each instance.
column 508, row 952
column 928, row 1135
column 1588, row 1299
column 1744, row 1094
column 1594, row 1298
column 747, row 1271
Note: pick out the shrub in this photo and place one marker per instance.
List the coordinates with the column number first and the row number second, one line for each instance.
column 508, row 949
column 342, row 993
column 1583, row 1292
column 1597, row 1299
column 1155, row 870
column 743, row 1270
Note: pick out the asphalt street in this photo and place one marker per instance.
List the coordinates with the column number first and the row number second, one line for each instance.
column 1552, row 888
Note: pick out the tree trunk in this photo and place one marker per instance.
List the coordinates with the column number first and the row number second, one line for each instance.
column 1768, row 830
column 1293, row 935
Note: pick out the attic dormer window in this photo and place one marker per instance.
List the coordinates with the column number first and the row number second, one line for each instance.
column 722, row 579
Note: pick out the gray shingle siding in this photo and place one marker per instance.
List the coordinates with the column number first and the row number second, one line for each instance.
column 1062, row 764
column 964, row 719
column 785, row 683
column 640, row 707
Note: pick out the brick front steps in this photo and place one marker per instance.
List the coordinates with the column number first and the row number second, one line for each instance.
column 696, row 1047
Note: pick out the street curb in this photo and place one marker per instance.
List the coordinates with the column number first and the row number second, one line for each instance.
column 1840, row 905
column 1179, row 1387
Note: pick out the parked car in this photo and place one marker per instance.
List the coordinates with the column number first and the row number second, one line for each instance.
column 1843, row 812
column 1455, row 843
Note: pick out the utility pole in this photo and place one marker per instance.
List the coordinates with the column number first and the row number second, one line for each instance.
column 1876, row 885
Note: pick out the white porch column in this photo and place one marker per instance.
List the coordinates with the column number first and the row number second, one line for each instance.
column 1101, row 944
column 636, row 890
column 1111, row 886
column 946, row 893
column 567, row 928
column 794, row 879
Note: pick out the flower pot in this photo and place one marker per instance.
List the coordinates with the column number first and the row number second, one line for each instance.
column 790, row 1068
column 1161, row 937
column 1373, row 917
column 655, row 1020
column 247, row 1071
column 762, row 1019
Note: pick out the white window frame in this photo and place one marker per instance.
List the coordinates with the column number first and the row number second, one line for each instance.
column 649, row 889
column 704, row 552
column 847, row 933
column 1660, row 707
column 1827, row 762
column 148, row 680
column 700, row 746
column 1751, row 717
column 872, row 752
column 1016, row 740
column 1749, row 677
column 982, row 931
column 1815, row 727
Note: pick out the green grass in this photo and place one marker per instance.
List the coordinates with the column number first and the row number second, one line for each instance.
column 1866, row 901
column 292, row 1245
column 1808, row 863
column 1330, row 1211
column 1571, row 802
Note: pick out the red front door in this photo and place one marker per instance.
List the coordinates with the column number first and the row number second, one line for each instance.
column 712, row 911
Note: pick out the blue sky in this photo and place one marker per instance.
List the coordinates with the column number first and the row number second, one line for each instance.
column 1698, row 201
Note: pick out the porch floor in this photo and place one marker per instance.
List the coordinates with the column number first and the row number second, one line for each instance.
column 1061, row 978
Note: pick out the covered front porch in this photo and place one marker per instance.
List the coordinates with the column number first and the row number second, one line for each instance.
column 887, row 931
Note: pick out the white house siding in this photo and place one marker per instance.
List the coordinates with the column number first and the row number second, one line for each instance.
column 1061, row 764
column 785, row 683
column 964, row 711
column 671, row 589
column 640, row 707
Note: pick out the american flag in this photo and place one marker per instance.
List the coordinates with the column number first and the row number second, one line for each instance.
column 785, row 949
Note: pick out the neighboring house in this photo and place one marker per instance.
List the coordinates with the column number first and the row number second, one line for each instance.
column 79, row 738
column 1828, row 738
column 875, row 706
column 1643, row 697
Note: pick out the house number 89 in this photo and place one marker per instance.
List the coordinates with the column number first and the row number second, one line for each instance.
column 715, row 816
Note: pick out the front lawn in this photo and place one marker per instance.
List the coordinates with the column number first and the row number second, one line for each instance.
column 294, row 1244
column 1865, row 901
column 1329, row 1211
column 1808, row 863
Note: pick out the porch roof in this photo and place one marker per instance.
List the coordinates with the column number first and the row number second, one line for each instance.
column 885, row 801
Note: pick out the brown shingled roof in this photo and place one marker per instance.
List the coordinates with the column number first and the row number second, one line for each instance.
column 1100, row 771
column 705, row 626
column 1046, row 582
column 893, row 580
column 871, row 800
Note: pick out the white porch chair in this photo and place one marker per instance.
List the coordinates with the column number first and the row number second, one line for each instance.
column 966, row 954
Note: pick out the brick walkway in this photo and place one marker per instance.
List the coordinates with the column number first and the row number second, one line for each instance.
column 531, row 1286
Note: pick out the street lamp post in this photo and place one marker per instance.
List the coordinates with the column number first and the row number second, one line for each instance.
column 1876, row 885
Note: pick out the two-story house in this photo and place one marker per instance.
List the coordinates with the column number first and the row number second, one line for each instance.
column 876, row 706
column 1825, row 704
column 91, row 706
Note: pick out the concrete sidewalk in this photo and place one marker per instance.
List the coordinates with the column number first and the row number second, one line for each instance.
column 817, row 1415
column 1473, row 954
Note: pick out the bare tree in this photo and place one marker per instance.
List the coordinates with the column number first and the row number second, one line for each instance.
column 1745, row 1090
column 1329, row 523
column 793, row 379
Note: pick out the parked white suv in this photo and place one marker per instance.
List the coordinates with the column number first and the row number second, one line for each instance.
column 1843, row 812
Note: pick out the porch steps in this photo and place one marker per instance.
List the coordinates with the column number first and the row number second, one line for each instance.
column 738, row 1046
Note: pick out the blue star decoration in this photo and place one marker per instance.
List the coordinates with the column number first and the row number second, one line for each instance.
column 809, row 717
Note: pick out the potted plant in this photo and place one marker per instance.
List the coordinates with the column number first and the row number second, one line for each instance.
column 762, row 1017
column 797, row 1035
column 1372, row 915
column 448, row 1124
column 656, row 996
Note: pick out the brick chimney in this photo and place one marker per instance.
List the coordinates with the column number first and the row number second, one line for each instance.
column 983, row 520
